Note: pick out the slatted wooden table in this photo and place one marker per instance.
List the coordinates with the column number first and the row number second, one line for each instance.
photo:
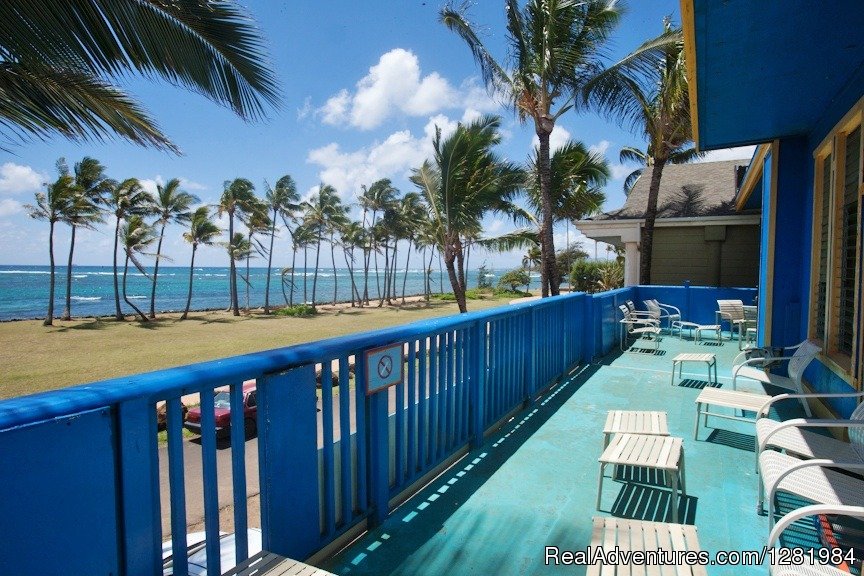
column 634, row 422
column 664, row 453
column 629, row 535
column 269, row 564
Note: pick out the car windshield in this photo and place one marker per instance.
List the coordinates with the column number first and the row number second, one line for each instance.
column 222, row 400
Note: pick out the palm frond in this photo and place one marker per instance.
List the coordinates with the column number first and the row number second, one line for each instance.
column 492, row 72
column 517, row 239
column 631, row 179
column 634, row 155
column 39, row 102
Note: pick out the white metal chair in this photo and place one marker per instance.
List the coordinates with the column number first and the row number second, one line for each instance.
column 731, row 311
column 643, row 327
column 822, row 479
column 810, row 569
column 661, row 311
column 755, row 368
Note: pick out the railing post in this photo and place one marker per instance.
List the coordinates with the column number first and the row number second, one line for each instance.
column 288, row 462
column 378, row 448
column 478, row 383
column 686, row 312
column 589, row 328
column 139, row 477
column 529, row 341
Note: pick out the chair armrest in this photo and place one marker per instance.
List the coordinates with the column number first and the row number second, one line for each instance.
column 812, row 510
column 675, row 308
column 786, row 396
column 817, row 462
column 809, row 423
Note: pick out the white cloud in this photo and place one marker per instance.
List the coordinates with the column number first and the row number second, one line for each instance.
column 740, row 153
column 306, row 109
column 619, row 171
column 393, row 85
column 190, row 185
column 600, row 148
column 8, row 207
column 17, row 179
column 149, row 184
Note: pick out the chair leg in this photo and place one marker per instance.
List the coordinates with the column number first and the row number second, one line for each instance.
column 696, row 426
column 600, row 485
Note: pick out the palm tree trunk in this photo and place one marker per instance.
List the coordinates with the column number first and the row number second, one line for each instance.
column 67, row 311
column 235, row 303
column 269, row 265
column 460, row 267
column 393, row 272
column 333, row 262
column 118, row 314
column 548, row 271
column 450, row 251
column 305, row 268
column 383, row 295
column 317, row 261
column 440, row 275
column 351, row 275
column 49, row 316
column 248, row 257
column 293, row 264
column 156, row 273
column 650, row 217
column 191, row 276
column 126, row 298
column 367, row 255
column 405, row 276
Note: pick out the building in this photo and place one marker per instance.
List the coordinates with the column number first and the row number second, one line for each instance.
column 796, row 89
column 699, row 235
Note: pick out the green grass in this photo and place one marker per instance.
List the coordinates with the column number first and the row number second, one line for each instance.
column 36, row 358
column 162, row 435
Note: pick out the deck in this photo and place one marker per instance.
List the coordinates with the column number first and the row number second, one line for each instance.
column 534, row 482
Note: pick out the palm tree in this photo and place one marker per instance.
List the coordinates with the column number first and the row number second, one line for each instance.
column 319, row 211
column 630, row 154
column 352, row 235
column 654, row 102
column 257, row 222
column 377, row 198
column 283, row 200
column 302, row 237
column 239, row 249
column 201, row 232
column 125, row 199
column 412, row 212
column 532, row 258
column 237, row 196
column 464, row 182
column 171, row 204
column 555, row 47
column 83, row 211
column 136, row 236
column 50, row 206
column 58, row 60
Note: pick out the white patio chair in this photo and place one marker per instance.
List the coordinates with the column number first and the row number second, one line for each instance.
column 631, row 308
column 663, row 311
column 822, row 480
column 755, row 368
column 731, row 311
column 794, row 516
column 632, row 325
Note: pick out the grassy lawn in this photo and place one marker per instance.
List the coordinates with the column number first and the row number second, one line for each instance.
column 36, row 358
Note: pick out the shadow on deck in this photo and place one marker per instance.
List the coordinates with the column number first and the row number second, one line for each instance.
column 534, row 482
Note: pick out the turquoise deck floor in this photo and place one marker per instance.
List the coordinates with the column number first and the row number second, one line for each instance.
column 534, row 483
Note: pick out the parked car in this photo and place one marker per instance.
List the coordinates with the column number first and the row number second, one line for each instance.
column 197, row 553
column 222, row 408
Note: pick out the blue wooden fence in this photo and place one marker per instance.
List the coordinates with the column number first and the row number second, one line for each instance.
column 81, row 466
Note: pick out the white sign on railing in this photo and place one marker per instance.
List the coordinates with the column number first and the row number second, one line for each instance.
column 383, row 368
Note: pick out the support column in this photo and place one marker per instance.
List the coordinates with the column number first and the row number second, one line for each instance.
column 631, row 264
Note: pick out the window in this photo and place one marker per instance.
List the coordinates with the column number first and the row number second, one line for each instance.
column 836, row 238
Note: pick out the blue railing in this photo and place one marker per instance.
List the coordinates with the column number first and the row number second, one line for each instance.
column 85, row 478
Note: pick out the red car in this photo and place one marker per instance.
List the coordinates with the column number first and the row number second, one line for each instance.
column 222, row 407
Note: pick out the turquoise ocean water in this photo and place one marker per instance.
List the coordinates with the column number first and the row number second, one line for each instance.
column 24, row 289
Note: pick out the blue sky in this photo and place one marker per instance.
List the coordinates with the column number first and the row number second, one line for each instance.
column 363, row 84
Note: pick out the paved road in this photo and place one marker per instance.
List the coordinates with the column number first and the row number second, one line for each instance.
column 195, row 473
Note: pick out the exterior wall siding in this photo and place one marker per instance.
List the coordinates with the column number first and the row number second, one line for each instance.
column 682, row 254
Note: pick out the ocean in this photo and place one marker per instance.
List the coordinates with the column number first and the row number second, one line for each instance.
column 24, row 289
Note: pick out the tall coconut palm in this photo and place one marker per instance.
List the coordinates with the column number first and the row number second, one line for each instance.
column 412, row 212
column 136, row 235
column 466, row 180
column 171, row 204
column 257, row 222
column 376, row 198
column 555, row 48
column 630, row 154
column 652, row 101
column 302, row 237
column 532, row 258
column 351, row 236
column 82, row 211
column 125, row 199
column 283, row 200
column 318, row 212
column 239, row 249
column 58, row 61
column 50, row 207
column 576, row 180
column 202, row 232
column 237, row 196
